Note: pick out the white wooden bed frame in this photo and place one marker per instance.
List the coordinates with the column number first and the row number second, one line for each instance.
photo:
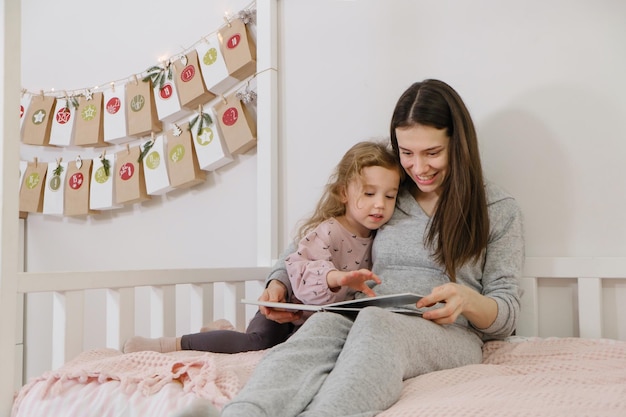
column 197, row 296
column 181, row 300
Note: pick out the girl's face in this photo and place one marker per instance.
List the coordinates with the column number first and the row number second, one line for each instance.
column 370, row 199
column 424, row 156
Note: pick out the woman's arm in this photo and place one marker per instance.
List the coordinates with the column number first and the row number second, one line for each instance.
column 278, row 289
column 495, row 311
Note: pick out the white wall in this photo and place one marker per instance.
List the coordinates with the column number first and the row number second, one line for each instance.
column 544, row 81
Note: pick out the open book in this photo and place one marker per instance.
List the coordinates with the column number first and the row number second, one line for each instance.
column 391, row 302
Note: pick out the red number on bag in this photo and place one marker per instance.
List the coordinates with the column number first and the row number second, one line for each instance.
column 233, row 42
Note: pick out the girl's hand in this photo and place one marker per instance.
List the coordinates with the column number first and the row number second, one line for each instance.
column 276, row 292
column 458, row 299
column 356, row 280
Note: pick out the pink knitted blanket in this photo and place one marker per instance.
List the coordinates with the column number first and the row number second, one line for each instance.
column 214, row 376
column 550, row 377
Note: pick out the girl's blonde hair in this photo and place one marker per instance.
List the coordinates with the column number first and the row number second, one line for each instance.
column 362, row 155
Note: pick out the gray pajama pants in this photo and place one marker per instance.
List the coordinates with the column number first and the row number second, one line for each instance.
column 334, row 366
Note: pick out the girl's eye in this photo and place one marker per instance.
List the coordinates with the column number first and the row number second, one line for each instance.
column 369, row 194
column 391, row 197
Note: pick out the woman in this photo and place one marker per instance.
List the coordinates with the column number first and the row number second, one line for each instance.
column 452, row 236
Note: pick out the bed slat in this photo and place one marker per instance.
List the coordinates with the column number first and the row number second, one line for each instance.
column 590, row 307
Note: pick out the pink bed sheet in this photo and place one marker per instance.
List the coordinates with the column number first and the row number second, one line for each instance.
column 520, row 377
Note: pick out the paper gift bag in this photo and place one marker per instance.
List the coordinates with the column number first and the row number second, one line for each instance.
column 31, row 191
column 141, row 113
column 130, row 184
column 115, row 116
column 101, row 191
column 182, row 162
column 238, row 49
column 54, row 191
column 237, row 125
column 192, row 91
column 155, row 167
column 62, row 123
column 168, row 105
column 77, row 183
column 24, row 100
column 211, row 150
column 214, row 72
column 23, row 166
column 89, row 124
column 38, row 121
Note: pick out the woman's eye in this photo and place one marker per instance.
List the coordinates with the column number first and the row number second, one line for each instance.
column 369, row 194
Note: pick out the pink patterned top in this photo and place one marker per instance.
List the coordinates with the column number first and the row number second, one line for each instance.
column 327, row 248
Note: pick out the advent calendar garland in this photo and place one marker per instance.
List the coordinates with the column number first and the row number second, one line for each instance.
column 184, row 117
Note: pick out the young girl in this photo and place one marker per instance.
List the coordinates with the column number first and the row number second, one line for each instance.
column 333, row 258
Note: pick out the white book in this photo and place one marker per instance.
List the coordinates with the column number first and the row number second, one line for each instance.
column 392, row 302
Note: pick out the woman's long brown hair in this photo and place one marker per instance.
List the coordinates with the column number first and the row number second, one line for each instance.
column 459, row 228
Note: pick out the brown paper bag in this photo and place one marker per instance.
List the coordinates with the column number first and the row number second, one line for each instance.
column 38, row 120
column 89, row 123
column 141, row 113
column 191, row 89
column 182, row 162
column 130, row 184
column 31, row 191
column 77, row 185
column 237, row 124
column 238, row 49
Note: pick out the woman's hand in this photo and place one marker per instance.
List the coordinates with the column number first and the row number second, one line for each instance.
column 357, row 280
column 458, row 299
column 276, row 292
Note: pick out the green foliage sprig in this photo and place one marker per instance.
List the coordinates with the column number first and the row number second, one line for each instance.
column 158, row 74
column 145, row 150
column 202, row 119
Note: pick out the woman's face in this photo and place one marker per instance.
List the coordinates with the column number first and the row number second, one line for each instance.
column 424, row 156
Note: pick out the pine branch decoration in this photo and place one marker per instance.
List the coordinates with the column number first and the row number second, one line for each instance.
column 106, row 165
column 202, row 119
column 58, row 170
column 145, row 150
column 158, row 74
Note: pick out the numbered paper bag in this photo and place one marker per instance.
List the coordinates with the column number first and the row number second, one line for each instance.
column 141, row 113
column 182, row 162
column 115, row 116
column 38, row 120
column 89, row 124
column 62, row 123
column 238, row 48
column 214, row 72
column 237, row 125
column 167, row 102
column 54, row 191
column 130, row 184
column 192, row 91
column 210, row 148
column 155, row 167
column 31, row 191
column 101, row 190
column 24, row 100
column 77, row 183
column 23, row 166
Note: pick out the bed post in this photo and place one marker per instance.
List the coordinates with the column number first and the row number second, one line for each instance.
column 9, row 208
column 267, row 127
